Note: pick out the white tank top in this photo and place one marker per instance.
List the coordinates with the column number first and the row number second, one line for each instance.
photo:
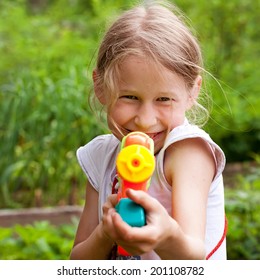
column 97, row 159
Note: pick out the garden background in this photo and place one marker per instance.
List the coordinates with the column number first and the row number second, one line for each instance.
column 47, row 52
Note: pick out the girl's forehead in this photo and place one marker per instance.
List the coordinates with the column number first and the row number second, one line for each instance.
column 140, row 60
column 144, row 67
column 143, row 75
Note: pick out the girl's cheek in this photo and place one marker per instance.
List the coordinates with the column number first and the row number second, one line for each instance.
column 124, row 111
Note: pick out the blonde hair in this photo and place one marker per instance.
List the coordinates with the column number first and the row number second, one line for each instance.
column 157, row 32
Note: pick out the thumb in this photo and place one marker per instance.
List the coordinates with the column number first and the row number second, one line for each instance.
column 143, row 199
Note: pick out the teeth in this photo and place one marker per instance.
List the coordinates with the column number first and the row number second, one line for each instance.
column 152, row 135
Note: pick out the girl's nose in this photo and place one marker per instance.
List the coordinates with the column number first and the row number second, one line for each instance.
column 146, row 117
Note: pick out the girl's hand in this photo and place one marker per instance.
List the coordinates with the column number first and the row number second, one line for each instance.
column 136, row 240
column 108, row 212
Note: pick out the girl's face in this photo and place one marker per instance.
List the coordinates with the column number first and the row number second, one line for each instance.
column 151, row 100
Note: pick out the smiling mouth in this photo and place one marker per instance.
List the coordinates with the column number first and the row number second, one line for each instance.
column 151, row 135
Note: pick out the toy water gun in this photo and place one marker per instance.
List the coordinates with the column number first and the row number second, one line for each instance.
column 135, row 165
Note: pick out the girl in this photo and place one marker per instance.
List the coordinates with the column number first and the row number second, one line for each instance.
column 148, row 78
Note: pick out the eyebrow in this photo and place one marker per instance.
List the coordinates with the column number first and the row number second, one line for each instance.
column 161, row 94
column 165, row 93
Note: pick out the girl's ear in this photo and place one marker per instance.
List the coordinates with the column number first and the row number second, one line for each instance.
column 98, row 91
column 194, row 93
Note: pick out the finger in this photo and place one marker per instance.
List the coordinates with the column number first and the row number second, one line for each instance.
column 124, row 231
column 108, row 224
column 106, row 206
column 113, row 199
column 136, row 240
column 144, row 199
column 110, row 203
column 107, row 218
column 128, row 233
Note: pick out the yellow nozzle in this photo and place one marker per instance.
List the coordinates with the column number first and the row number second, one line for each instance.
column 135, row 163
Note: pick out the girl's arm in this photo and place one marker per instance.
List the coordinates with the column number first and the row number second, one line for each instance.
column 91, row 242
column 189, row 168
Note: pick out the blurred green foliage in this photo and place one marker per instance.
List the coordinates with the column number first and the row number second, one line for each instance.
column 230, row 37
column 243, row 214
column 47, row 51
column 39, row 241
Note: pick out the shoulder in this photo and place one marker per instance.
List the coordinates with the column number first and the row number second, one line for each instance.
column 101, row 141
column 195, row 142
column 191, row 156
column 187, row 131
column 98, row 155
column 99, row 145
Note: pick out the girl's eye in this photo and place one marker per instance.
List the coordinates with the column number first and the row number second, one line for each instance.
column 164, row 99
column 131, row 97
